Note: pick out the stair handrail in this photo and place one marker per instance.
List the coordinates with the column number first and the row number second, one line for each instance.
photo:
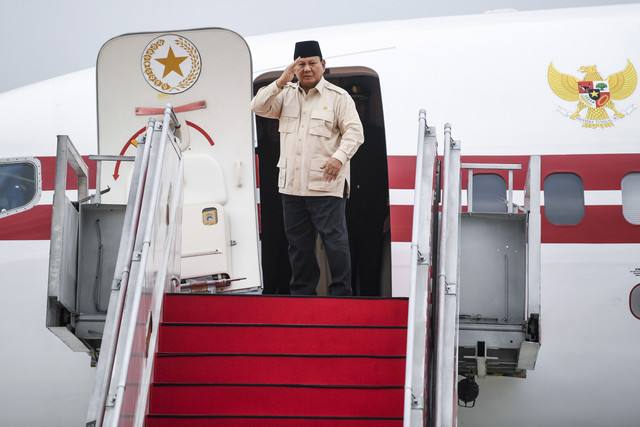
column 447, row 287
column 124, row 348
column 138, row 237
column 415, row 411
column 97, row 401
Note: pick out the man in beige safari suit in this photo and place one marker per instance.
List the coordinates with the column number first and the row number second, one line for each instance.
column 319, row 133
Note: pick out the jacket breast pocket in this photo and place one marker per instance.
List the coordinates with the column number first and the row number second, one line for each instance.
column 321, row 123
column 288, row 119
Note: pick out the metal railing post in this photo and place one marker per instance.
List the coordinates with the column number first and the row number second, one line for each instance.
column 66, row 155
column 418, row 322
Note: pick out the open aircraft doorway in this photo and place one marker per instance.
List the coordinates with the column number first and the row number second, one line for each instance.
column 367, row 206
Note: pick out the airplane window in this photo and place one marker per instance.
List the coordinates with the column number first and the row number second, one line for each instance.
column 631, row 197
column 488, row 188
column 17, row 185
column 564, row 198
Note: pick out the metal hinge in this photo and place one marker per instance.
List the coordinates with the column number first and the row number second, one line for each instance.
column 450, row 288
column 416, row 403
column 111, row 401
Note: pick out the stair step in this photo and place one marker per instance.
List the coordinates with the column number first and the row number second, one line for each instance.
column 288, row 401
column 245, row 360
column 279, row 369
column 245, row 421
column 273, row 339
column 291, row 310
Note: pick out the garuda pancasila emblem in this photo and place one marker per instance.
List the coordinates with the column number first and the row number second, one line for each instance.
column 594, row 93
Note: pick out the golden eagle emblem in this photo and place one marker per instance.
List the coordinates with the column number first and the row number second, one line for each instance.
column 594, row 93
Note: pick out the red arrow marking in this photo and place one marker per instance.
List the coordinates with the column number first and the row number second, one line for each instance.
column 202, row 131
column 124, row 149
column 137, row 134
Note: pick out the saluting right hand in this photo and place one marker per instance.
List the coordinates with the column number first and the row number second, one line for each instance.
column 288, row 74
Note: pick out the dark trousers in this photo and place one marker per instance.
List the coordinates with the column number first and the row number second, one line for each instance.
column 304, row 219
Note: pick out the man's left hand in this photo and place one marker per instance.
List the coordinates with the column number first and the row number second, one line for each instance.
column 331, row 169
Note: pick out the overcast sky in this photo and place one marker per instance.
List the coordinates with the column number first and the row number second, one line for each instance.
column 40, row 39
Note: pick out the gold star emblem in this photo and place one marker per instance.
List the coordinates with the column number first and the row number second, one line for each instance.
column 171, row 63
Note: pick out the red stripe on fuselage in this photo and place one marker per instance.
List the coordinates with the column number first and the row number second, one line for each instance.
column 597, row 171
column 34, row 224
column 49, row 174
column 402, row 172
column 401, row 222
column 601, row 224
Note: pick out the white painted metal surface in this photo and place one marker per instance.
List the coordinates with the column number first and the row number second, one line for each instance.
column 416, row 372
column 446, row 398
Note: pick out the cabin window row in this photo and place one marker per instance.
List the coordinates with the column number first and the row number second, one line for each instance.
column 563, row 193
column 563, row 196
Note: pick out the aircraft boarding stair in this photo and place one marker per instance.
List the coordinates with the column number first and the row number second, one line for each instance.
column 169, row 357
column 227, row 360
column 474, row 306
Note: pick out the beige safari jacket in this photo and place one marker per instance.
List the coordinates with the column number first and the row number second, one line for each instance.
column 313, row 127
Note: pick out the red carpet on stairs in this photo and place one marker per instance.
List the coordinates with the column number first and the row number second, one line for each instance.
column 240, row 360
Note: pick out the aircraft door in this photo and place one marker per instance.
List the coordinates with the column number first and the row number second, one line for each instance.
column 205, row 75
column 367, row 208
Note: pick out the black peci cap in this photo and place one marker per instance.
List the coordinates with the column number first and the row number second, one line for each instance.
column 306, row 49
